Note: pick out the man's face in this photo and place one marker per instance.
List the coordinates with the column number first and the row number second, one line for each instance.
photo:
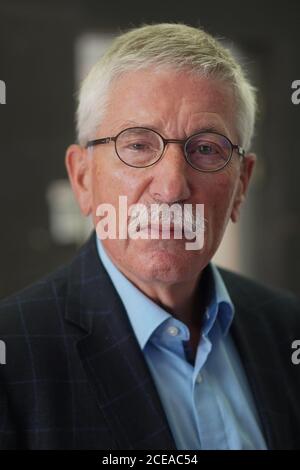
column 177, row 105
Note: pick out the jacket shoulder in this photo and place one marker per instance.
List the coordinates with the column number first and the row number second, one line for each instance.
column 258, row 297
column 32, row 304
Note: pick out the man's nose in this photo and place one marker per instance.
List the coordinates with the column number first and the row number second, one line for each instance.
column 170, row 176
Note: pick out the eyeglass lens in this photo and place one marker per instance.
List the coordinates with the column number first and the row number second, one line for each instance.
column 142, row 147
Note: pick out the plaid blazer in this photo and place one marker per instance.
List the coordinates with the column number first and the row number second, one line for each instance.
column 76, row 378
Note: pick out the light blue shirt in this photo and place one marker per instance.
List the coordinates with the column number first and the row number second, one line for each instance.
column 208, row 404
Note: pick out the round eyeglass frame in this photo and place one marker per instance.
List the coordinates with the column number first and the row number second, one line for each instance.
column 184, row 142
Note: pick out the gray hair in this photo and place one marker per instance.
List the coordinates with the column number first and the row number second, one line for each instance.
column 164, row 45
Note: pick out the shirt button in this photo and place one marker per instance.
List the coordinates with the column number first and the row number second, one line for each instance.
column 199, row 379
column 173, row 330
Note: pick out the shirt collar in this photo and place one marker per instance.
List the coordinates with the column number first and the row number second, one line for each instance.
column 220, row 305
column 146, row 316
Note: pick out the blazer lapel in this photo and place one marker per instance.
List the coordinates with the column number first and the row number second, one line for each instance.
column 258, row 353
column 111, row 356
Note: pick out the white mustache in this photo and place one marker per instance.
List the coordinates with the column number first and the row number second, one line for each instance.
column 177, row 217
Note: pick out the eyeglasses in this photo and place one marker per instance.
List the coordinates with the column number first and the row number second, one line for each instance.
column 140, row 147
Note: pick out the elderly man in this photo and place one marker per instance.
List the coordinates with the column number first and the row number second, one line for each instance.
column 141, row 343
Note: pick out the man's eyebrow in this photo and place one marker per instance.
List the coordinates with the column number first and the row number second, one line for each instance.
column 206, row 128
column 141, row 124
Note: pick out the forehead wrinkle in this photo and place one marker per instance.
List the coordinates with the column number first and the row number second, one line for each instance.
column 173, row 116
column 207, row 126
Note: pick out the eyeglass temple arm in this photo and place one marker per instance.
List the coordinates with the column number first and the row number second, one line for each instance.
column 240, row 150
column 105, row 140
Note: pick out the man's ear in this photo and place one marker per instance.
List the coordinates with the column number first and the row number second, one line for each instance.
column 79, row 170
column 246, row 171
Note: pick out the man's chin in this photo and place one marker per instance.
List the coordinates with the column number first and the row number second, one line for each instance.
column 165, row 262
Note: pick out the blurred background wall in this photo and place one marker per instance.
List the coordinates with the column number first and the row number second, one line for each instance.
column 46, row 46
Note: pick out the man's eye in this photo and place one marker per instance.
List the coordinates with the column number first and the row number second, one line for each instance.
column 138, row 146
column 206, row 149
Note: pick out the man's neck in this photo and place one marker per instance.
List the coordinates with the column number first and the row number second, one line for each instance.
column 186, row 301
